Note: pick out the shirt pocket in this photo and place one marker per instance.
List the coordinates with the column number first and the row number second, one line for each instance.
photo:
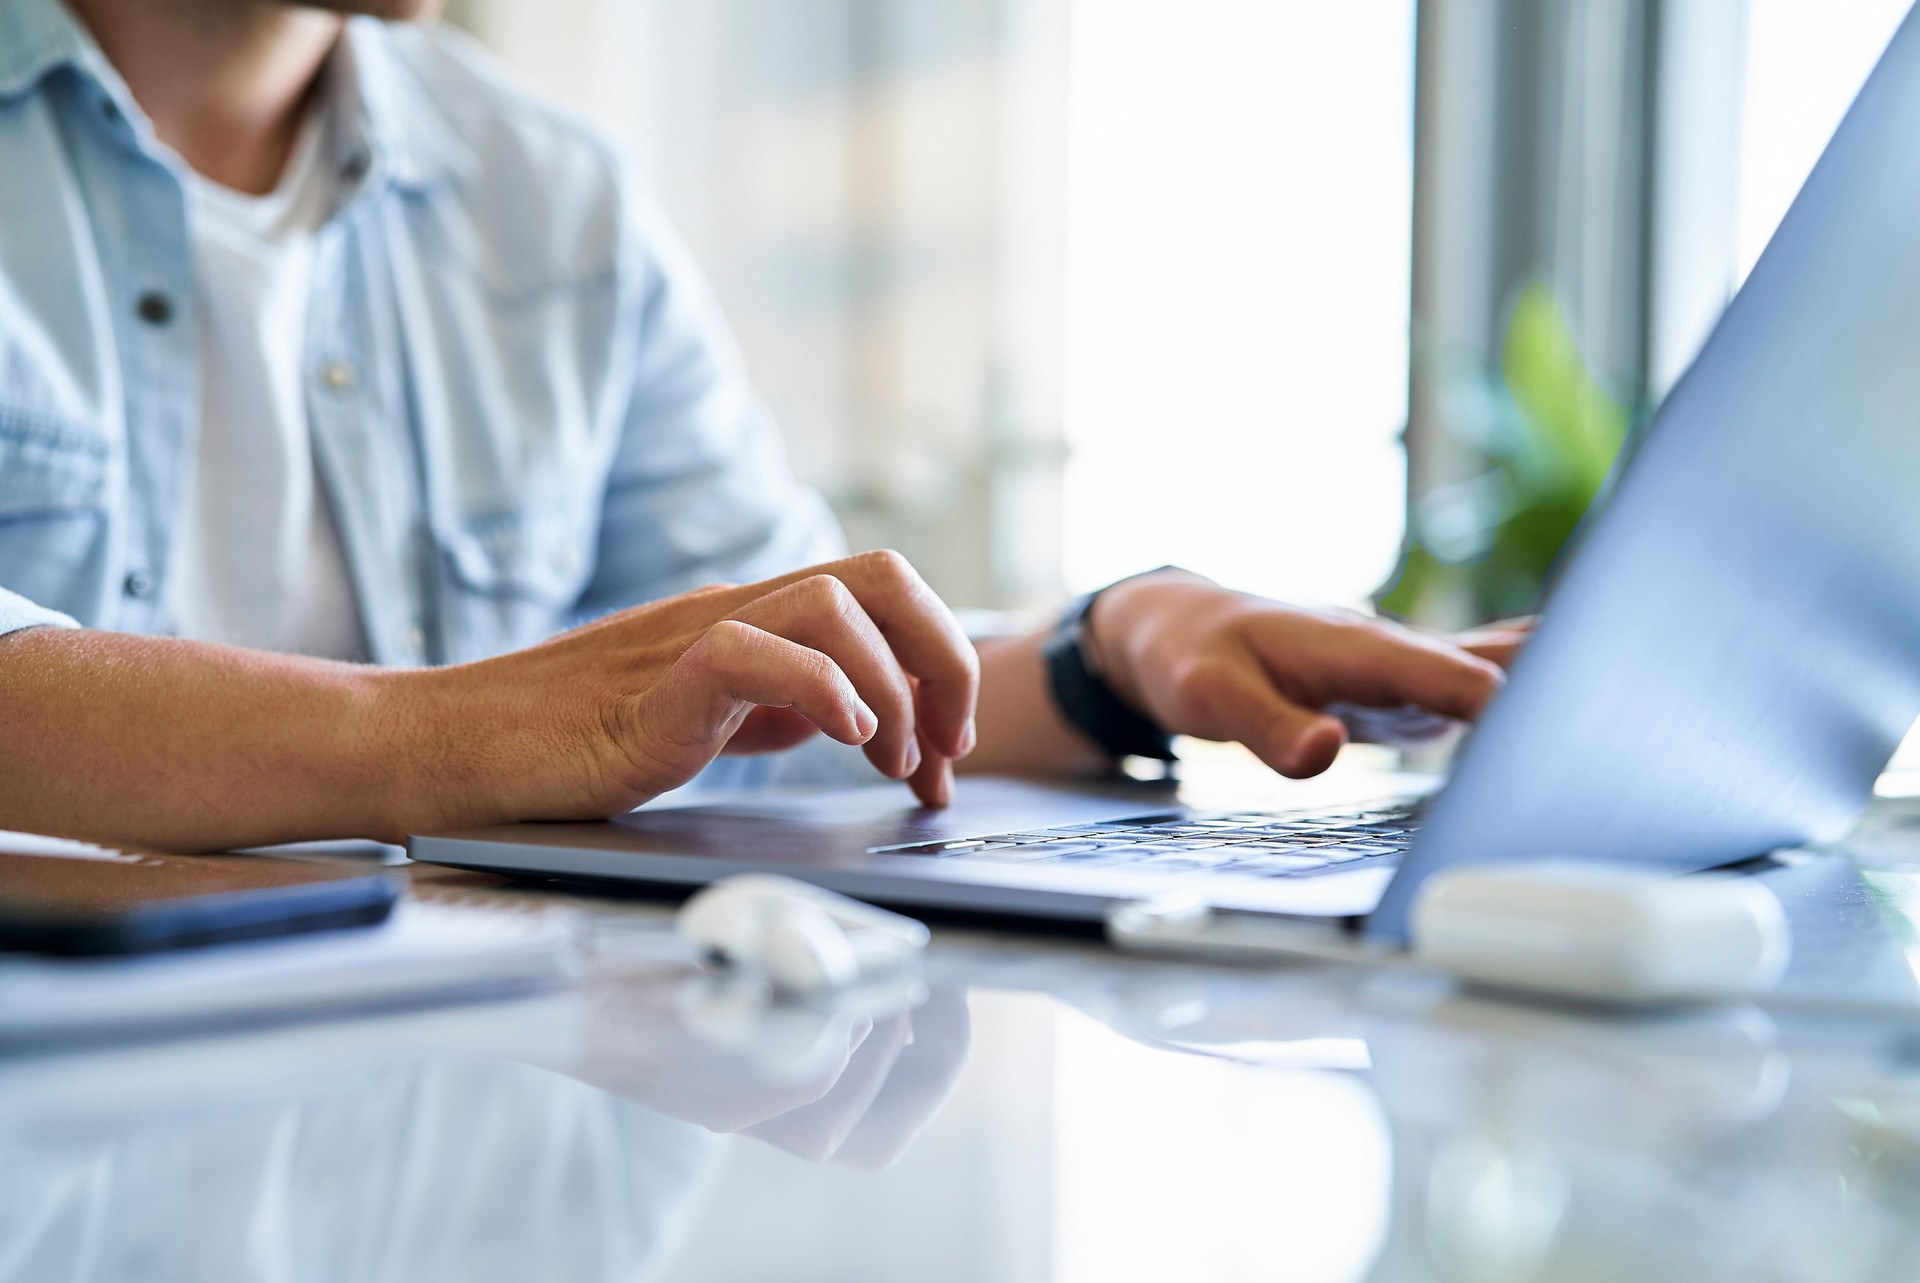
column 53, row 508
column 514, row 576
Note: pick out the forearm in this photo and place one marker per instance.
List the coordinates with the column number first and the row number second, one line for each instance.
column 1020, row 727
column 188, row 746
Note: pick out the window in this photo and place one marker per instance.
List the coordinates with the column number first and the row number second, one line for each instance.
column 1804, row 65
column 1238, row 231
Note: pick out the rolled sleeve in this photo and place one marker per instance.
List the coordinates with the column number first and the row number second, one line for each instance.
column 17, row 613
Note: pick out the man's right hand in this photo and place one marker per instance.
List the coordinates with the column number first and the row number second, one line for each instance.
column 598, row 720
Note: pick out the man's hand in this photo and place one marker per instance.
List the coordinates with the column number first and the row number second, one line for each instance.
column 192, row 746
column 1200, row 660
column 599, row 720
column 1499, row 642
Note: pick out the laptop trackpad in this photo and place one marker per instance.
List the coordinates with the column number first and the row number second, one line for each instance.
column 844, row 822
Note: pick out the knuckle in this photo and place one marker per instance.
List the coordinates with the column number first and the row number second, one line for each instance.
column 1369, row 628
column 827, row 593
column 723, row 639
column 890, row 565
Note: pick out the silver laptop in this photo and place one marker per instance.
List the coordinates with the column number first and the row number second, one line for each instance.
column 1728, row 659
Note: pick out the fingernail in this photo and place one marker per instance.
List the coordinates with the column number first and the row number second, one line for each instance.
column 913, row 759
column 969, row 736
column 864, row 721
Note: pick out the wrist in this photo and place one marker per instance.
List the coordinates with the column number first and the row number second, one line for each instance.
column 1116, row 618
column 418, row 768
column 1091, row 678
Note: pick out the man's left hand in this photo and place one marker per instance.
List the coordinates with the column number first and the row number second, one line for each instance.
column 1201, row 660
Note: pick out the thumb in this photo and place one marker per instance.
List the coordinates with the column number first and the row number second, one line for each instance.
column 1299, row 742
column 1238, row 703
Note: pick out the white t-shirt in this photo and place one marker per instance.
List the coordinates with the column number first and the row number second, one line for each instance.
column 260, row 562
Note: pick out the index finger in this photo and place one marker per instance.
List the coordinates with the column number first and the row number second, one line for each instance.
column 1375, row 663
column 1499, row 641
column 925, row 637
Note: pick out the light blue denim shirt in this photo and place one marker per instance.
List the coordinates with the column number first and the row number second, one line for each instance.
column 525, row 408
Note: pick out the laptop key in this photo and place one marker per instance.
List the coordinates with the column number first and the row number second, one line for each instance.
column 1064, row 850
column 1116, row 853
column 1273, row 865
column 931, row 848
column 1148, row 850
column 1005, row 854
column 1254, row 850
column 1364, row 848
column 1105, row 848
column 1204, row 859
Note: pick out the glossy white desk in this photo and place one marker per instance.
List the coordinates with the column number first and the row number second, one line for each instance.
column 1048, row 1111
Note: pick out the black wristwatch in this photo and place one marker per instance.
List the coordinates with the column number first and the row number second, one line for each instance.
column 1085, row 699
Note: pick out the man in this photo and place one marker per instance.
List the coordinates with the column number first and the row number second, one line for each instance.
column 339, row 380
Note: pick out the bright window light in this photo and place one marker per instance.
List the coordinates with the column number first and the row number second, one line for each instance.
column 1805, row 63
column 1239, row 223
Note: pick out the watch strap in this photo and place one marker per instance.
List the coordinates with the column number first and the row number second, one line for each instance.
column 1087, row 702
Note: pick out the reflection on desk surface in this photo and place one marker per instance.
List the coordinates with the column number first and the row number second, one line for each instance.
column 1132, row 1121
column 442, row 1167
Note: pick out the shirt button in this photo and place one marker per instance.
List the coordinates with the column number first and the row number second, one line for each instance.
column 138, row 583
column 155, row 308
column 336, row 376
column 414, row 639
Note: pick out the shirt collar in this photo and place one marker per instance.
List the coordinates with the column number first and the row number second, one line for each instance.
column 385, row 109
column 32, row 39
column 38, row 37
column 387, row 125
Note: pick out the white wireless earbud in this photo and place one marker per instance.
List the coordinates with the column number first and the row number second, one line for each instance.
column 802, row 939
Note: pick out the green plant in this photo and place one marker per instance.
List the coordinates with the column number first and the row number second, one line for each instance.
column 1545, row 436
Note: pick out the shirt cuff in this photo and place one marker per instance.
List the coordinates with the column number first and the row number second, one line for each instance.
column 16, row 613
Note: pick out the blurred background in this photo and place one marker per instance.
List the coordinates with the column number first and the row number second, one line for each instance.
column 1335, row 302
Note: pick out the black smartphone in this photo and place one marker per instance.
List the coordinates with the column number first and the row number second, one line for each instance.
column 113, row 902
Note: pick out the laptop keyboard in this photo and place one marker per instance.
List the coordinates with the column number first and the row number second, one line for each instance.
column 1241, row 844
